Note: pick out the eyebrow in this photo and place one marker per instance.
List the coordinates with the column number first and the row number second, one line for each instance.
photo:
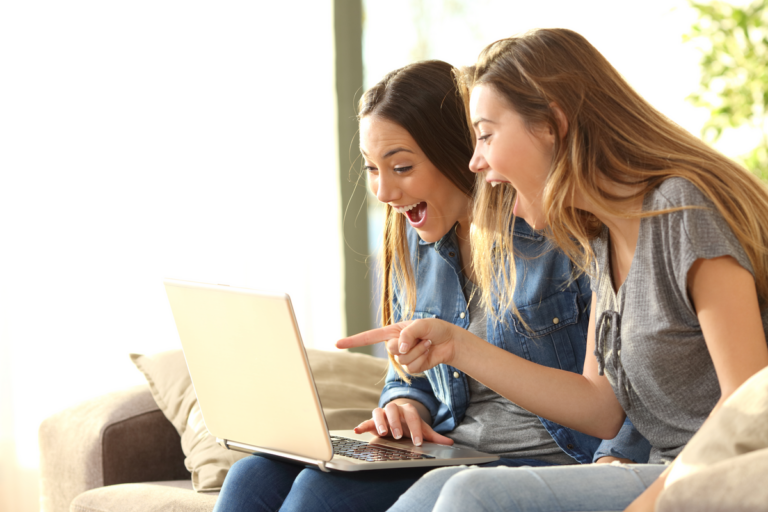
column 390, row 152
column 479, row 120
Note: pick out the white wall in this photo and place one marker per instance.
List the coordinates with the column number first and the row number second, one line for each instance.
column 149, row 139
column 643, row 40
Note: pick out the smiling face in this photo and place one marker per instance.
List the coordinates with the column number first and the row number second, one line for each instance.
column 509, row 152
column 402, row 176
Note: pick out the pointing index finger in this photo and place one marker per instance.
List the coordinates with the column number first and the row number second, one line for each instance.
column 371, row 337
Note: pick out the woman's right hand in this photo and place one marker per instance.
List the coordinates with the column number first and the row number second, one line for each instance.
column 402, row 417
column 417, row 345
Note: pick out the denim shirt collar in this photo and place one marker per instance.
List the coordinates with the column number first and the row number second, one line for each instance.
column 520, row 228
column 450, row 236
column 523, row 229
column 447, row 247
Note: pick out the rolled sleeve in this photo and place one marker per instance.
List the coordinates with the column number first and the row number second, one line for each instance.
column 419, row 389
column 628, row 444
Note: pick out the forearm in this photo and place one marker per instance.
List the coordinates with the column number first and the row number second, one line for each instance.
column 567, row 398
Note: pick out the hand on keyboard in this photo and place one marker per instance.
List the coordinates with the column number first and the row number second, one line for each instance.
column 402, row 417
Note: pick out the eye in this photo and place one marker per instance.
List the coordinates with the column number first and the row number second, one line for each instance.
column 401, row 170
column 484, row 137
column 371, row 170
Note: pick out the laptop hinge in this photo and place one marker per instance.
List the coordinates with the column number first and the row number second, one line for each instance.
column 230, row 445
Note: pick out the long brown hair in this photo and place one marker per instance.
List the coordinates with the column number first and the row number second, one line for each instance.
column 424, row 99
column 613, row 135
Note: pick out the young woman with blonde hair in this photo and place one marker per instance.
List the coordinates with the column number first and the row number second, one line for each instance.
column 674, row 237
column 416, row 146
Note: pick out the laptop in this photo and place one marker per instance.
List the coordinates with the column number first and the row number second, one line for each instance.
column 255, row 388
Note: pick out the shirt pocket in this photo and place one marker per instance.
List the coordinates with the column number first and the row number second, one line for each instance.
column 548, row 315
column 420, row 315
column 554, row 335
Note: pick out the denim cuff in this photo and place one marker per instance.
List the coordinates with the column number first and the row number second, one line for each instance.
column 427, row 399
column 628, row 444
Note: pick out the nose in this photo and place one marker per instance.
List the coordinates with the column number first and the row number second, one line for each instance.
column 386, row 188
column 478, row 163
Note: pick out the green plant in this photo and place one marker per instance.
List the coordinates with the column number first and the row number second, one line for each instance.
column 734, row 72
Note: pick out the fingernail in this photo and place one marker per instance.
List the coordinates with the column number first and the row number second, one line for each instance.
column 403, row 348
column 417, row 441
column 428, row 343
column 382, row 430
column 396, row 432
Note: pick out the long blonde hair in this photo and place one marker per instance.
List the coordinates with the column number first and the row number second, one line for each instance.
column 424, row 99
column 612, row 133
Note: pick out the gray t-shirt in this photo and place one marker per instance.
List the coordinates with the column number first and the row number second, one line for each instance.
column 648, row 333
column 495, row 425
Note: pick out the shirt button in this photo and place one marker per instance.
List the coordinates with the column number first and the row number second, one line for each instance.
column 455, row 375
column 555, row 320
column 451, row 254
column 569, row 446
column 462, row 315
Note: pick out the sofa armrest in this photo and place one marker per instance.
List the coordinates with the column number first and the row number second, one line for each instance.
column 121, row 437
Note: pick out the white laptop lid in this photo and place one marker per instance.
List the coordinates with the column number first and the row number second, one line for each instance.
column 248, row 341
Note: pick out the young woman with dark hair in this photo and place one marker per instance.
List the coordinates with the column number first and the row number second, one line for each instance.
column 674, row 237
column 417, row 146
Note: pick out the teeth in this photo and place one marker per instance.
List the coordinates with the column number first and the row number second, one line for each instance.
column 494, row 183
column 403, row 209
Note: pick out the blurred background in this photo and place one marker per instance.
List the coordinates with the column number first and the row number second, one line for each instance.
column 217, row 142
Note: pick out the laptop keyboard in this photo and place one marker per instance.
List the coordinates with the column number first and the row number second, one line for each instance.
column 372, row 453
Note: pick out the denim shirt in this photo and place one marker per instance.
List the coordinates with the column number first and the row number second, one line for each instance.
column 554, row 306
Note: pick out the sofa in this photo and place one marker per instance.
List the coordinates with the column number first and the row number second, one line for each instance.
column 142, row 448
column 146, row 449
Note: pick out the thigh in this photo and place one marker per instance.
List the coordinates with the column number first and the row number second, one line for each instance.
column 588, row 488
column 424, row 493
column 256, row 484
column 339, row 491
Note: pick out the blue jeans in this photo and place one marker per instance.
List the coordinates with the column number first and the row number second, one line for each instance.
column 587, row 488
column 261, row 484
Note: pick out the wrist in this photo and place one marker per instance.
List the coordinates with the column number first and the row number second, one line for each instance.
column 462, row 341
column 420, row 408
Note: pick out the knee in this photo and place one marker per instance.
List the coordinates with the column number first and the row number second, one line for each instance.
column 435, row 479
column 313, row 490
column 461, row 491
column 248, row 470
column 480, row 489
column 425, row 492
column 242, row 468
column 309, row 478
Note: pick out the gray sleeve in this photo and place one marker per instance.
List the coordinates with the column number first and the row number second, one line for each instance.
column 695, row 233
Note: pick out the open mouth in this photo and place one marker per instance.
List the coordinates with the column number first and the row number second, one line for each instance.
column 417, row 215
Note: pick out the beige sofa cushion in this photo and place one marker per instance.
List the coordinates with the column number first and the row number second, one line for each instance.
column 349, row 386
column 724, row 466
column 145, row 497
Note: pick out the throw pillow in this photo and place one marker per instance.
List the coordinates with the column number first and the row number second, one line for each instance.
column 348, row 384
column 723, row 467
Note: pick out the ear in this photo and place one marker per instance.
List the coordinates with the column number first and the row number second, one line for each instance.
column 562, row 121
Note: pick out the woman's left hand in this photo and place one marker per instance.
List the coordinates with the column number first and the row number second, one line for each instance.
column 417, row 345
